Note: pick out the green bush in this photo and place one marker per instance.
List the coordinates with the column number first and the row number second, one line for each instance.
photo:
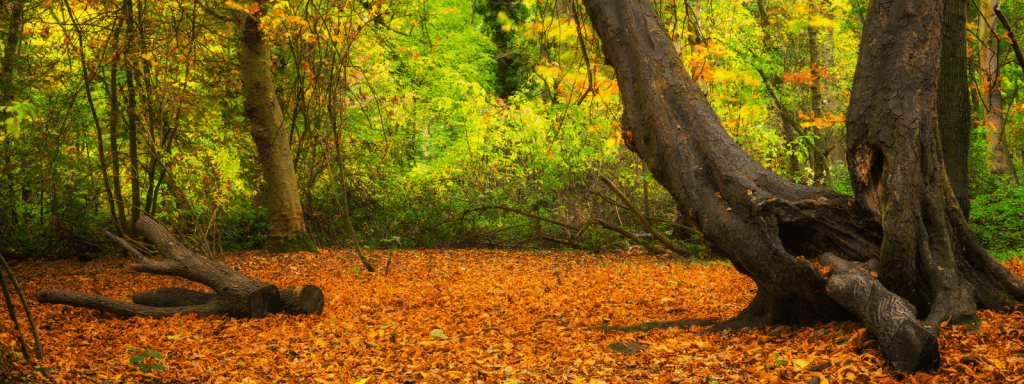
column 244, row 229
column 998, row 220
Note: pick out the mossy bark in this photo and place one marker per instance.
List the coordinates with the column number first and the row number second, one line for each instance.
column 300, row 243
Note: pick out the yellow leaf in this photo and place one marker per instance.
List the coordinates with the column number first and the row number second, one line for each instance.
column 819, row 21
column 363, row 381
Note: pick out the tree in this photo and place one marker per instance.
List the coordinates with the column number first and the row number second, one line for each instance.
column 999, row 161
column 287, row 229
column 235, row 294
column 899, row 250
column 954, row 103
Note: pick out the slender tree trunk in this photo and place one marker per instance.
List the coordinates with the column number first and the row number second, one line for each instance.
column 772, row 83
column 15, row 10
column 287, row 229
column 115, row 153
column 133, row 116
column 817, row 158
column 954, row 104
column 999, row 162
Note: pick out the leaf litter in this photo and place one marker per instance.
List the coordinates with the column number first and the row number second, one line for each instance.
column 476, row 316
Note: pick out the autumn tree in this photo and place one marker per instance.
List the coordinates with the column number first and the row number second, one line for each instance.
column 898, row 251
column 287, row 229
column 998, row 158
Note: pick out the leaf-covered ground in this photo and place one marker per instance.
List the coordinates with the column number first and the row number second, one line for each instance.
column 479, row 317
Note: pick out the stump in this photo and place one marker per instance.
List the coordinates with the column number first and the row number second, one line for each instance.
column 234, row 294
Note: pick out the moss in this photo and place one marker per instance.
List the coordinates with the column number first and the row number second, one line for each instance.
column 300, row 243
column 642, row 327
column 626, row 348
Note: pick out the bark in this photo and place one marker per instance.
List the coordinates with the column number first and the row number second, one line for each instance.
column 929, row 254
column 909, row 345
column 757, row 219
column 287, row 231
column 234, row 294
column 12, row 42
column 817, row 158
column 925, row 250
column 954, row 104
column 999, row 162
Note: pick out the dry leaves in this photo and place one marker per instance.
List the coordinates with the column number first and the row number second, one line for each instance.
column 477, row 316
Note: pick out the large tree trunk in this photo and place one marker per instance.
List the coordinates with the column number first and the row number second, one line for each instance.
column 287, row 229
column 954, row 101
column 763, row 223
column 999, row 162
column 929, row 254
column 235, row 294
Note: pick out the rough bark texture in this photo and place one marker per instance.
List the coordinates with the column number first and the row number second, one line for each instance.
column 999, row 162
column 287, row 229
column 954, row 102
column 908, row 345
column 927, row 253
column 235, row 294
column 756, row 219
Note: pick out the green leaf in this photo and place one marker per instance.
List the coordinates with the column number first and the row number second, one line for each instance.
column 13, row 126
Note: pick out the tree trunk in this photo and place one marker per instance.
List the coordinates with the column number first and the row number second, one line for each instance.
column 999, row 162
column 763, row 223
column 133, row 116
column 15, row 10
column 235, row 295
column 817, row 157
column 954, row 103
column 287, row 229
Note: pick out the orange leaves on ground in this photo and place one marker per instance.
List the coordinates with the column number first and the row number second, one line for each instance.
column 478, row 316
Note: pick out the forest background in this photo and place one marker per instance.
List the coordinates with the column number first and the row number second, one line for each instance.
column 454, row 123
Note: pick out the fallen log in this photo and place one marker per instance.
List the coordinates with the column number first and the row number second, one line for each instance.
column 234, row 294
column 908, row 345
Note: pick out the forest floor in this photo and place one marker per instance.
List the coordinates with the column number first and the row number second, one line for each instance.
column 474, row 316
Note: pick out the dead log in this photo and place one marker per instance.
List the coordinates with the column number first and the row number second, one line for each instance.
column 234, row 294
column 908, row 345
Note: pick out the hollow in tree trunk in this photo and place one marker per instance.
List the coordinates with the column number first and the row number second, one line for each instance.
column 763, row 223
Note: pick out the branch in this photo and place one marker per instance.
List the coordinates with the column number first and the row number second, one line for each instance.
column 643, row 221
column 1009, row 32
column 892, row 319
column 622, row 231
column 527, row 214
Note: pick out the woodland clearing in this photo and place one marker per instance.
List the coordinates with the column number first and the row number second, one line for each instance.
column 475, row 316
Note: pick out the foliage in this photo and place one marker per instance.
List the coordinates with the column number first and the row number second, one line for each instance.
column 147, row 361
column 523, row 316
column 998, row 220
column 434, row 108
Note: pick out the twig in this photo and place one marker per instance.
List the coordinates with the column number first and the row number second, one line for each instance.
column 387, row 266
column 527, row 214
column 643, row 221
column 24, row 304
column 622, row 231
